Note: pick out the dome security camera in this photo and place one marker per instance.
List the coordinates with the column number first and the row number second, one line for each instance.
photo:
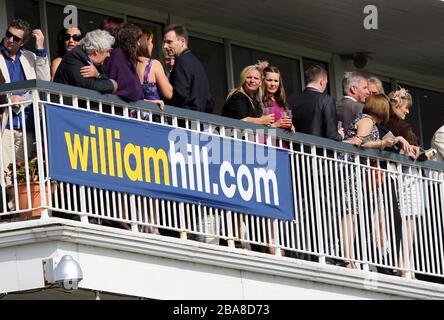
column 65, row 273
column 360, row 60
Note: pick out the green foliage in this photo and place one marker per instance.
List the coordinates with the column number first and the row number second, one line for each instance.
column 21, row 170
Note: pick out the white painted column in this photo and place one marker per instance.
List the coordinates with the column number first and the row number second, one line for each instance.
column 337, row 68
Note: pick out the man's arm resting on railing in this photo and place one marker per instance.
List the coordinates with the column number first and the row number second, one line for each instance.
column 74, row 76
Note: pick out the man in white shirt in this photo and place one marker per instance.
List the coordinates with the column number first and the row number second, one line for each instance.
column 16, row 65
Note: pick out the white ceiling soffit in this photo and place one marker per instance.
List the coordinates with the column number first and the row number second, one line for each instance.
column 409, row 34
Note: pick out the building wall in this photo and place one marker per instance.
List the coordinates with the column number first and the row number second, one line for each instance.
column 122, row 262
column 218, row 48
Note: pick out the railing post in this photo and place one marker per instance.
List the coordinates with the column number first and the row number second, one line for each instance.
column 361, row 215
column 277, row 246
column 402, row 261
column 83, row 216
column 182, row 222
column 317, row 198
column 230, row 240
column 40, row 154
column 133, row 211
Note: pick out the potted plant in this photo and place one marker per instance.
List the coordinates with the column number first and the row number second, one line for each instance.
column 22, row 188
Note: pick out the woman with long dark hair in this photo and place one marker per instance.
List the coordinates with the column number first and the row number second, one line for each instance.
column 275, row 99
column 155, row 84
column 121, row 65
column 67, row 39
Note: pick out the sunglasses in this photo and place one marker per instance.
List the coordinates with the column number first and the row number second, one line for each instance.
column 75, row 37
column 16, row 39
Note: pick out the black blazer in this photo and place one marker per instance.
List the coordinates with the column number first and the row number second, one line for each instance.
column 315, row 113
column 68, row 72
column 191, row 89
column 238, row 106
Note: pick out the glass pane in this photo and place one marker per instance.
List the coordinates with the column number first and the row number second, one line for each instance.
column 289, row 68
column 212, row 56
column 432, row 114
column 387, row 86
column 156, row 29
column 87, row 20
column 27, row 10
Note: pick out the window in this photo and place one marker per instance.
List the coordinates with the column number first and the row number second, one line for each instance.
column 27, row 10
column 156, row 29
column 88, row 21
column 289, row 68
column 212, row 56
column 387, row 87
column 432, row 112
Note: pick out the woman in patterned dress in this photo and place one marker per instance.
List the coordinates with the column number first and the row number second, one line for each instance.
column 363, row 132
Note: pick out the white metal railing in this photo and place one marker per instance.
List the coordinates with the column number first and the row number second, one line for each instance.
column 396, row 225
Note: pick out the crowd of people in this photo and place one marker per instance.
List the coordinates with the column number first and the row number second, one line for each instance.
column 118, row 59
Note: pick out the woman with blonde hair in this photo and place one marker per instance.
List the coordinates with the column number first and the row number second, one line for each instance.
column 409, row 197
column 245, row 101
column 375, row 85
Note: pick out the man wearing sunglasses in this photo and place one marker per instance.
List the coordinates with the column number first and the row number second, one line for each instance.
column 18, row 64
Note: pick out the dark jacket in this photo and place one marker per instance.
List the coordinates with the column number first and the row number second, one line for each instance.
column 122, row 70
column 402, row 128
column 347, row 110
column 238, row 106
column 68, row 72
column 191, row 89
column 315, row 113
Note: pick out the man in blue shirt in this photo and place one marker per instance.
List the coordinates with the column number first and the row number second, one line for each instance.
column 18, row 64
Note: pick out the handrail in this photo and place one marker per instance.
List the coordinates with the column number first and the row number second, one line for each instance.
column 326, row 187
column 220, row 120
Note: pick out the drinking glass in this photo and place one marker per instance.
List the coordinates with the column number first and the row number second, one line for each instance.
column 339, row 125
column 287, row 113
column 268, row 110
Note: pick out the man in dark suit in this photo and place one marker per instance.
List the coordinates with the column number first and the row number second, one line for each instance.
column 315, row 114
column 356, row 92
column 191, row 89
column 315, row 111
column 75, row 68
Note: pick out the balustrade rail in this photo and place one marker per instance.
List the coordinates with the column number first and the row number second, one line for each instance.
column 360, row 207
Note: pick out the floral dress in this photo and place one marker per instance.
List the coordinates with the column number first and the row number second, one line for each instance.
column 351, row 191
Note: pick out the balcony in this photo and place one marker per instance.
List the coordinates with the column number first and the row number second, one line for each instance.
column 235, row 235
